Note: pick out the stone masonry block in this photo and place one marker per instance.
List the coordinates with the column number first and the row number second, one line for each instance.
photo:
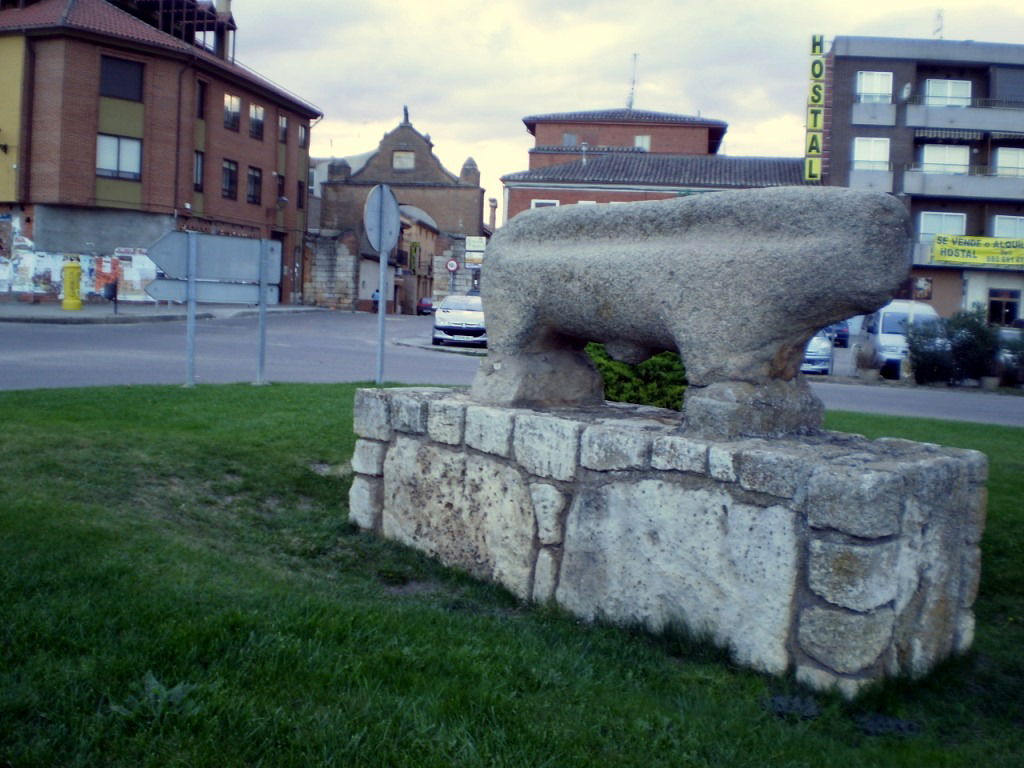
column 615, row 446
column 446, row 421
column 860, row 578
column 722, row 462
column 858, row 502
column 372, row 415
column 547, row 446
column 365, row 502
column 773, row 471
column 545, row 576
column 682, row 454
column 548, row 505
column 489, row 429
column 408, row 412
column 845, row 642
column 368, row 457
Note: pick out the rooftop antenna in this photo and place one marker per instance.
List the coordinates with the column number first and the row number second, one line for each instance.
column 938, row 24
column 632, row 85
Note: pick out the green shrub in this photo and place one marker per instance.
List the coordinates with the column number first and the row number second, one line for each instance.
column 973, row 343
column 659, row 381
column 930, row 356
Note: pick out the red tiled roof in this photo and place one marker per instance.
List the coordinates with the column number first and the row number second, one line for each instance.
column 100, row 17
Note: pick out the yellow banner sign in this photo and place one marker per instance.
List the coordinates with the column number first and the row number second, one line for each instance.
column 978, row 251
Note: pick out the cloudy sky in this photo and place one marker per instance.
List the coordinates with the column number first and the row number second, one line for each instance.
column 469, row 71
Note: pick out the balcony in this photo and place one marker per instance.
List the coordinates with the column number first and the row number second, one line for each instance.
column 974, row 114
column 873, row 113
column 977, row 181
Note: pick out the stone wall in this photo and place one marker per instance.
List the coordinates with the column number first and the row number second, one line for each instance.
column 845, row 559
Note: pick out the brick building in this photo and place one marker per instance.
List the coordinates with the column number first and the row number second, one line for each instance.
column 440, row 211
column 940, row 125
column 122, row 120
column 626, row 155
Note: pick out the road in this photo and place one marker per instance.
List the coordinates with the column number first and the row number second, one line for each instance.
column 341, row 346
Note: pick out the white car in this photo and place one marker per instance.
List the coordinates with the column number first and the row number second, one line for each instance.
column 818, row 354
column 885, row 333
column 459, row 319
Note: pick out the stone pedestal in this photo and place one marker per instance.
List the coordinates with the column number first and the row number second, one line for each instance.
column 845, row 559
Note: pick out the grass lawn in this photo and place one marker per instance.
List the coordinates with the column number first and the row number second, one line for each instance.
column 179, row 587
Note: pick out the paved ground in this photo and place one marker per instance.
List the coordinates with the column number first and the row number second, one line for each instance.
column 311, row 344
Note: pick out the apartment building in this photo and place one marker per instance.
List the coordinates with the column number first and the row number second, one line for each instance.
column 939, row 124
column 627, row 155
column 120, row 121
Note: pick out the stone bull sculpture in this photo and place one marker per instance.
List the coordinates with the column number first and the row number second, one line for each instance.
column 736, row 282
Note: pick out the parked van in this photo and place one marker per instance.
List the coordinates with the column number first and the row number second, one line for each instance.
column 883, row 337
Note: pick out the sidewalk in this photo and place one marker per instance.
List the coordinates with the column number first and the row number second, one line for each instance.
column 128, row 312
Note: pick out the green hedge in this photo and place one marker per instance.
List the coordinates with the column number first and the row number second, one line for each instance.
column 659, row 381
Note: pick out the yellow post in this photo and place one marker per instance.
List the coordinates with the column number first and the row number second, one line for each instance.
column 71, row 277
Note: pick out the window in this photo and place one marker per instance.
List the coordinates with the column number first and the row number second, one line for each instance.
column 198, row 171
column 300, row 194
column 945, row 158
column 642, row 142
column 256, row 121
column 939, row 223
column 543, row 203
column 1008, row 226
column 870, row 154
column 303, row 135
column 118, row 157
column 232, row 112
column 569, row 140
column 229, row 180
column 120, row 79
column 282, row 128
column 1003, row 306
column 947, row 93
column 201, row 87
column 1009, row 161
column 403, row 160
column 874, row 87
column 254, row 186
column 280, row 188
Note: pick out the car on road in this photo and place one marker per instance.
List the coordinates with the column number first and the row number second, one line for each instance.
column 459, row 319
column 425, row 306
column 839, row 333
column 885, row 334
column 818, row 353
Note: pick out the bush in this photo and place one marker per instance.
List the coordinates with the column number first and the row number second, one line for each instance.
column 930, row 356
column 659, row 381
column 961, row 347
column 973, row 343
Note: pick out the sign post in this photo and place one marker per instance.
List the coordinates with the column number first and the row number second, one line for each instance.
column 383, row 224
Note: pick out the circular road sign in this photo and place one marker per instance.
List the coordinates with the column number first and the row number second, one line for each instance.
column 453, row 265
column 381, row 219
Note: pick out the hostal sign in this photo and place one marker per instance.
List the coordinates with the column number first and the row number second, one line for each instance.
column 815, row 111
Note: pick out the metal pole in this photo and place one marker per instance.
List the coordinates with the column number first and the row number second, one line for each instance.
column 190, row 325
column 382, row 304
column 262, row 357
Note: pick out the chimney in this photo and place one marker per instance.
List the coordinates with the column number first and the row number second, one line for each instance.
column 493, row 203
column 224, row 24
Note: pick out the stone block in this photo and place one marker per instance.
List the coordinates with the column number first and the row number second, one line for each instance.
column 722, row 459
column 545, row 576
column 867, row 504
column 823, row 680
column 606, row 447
column 547, row 446
column 860, row 578
column 490, row 429
column 681, row 454
column 548, row 505
column 365, row 502
column 368, row 457
column 446, row 420
column 653, row 553
column 773, row 470
column 408, row 412
column 846, row 643
column 372, row 415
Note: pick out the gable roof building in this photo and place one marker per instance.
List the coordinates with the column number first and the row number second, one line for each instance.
column 625, row 155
